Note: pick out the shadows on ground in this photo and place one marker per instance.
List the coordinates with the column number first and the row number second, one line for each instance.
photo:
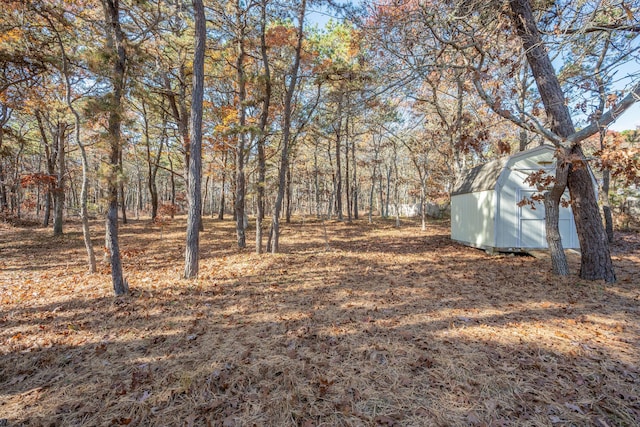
column 388, row 327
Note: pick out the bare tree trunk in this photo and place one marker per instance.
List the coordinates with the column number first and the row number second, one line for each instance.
column 552, row 215
column 423, row 202
column 606, row 173
column 354, row 188
column 4, row 204
column 347, row 175
column 316, row 179
column 338, row 180
column 59, row 193
column 606, row 208
column 222, row 191
column 50, row 156
column 524, row 85
column 242, row 118
column 286, row 132
column 192, row 251
column 172, row 178
column 264, row 121
column 396, row 198
column 84, row 214
column 388, row 198
column 123, row 199
column 5, row 114
column 205, row 197
column 288, row 193
column 115, row 42
column 381, row 192
column 153, row 162
column 46, row 218
column 371, row 193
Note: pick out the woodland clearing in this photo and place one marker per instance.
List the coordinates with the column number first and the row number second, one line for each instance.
column 381, row 326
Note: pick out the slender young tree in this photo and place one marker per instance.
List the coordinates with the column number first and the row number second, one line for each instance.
column 241, row 142
column 84, row 213
column 264, row 121
column 286, row 130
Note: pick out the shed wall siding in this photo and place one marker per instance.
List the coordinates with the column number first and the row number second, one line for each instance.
column 472, row 218
column 523, row 227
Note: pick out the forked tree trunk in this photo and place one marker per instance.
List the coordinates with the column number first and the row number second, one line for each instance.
column 596, row 260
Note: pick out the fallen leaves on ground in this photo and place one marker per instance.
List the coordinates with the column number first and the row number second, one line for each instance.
column 376, row 326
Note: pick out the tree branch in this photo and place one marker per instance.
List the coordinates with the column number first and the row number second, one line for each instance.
column 608, row 117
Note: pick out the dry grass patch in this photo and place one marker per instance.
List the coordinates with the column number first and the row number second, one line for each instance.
column 389, row 326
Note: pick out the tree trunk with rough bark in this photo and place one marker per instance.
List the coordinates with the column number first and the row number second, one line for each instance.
column 338, row 132
column 59, row 193
column 264, row 120
column 222, row 190
column 192, row 252
column 115, row 43
column 241, row 81
column 596, row 260
column 606, row 208
column 5, row 114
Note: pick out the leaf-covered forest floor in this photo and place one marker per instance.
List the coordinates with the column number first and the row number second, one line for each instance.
column 384, row 326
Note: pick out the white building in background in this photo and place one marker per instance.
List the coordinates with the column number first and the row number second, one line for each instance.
column 484, row 205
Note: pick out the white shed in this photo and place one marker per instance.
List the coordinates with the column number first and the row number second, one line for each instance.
column 484, row 205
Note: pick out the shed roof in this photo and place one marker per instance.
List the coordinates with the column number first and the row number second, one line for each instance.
column 481, row 178
column 485, row 176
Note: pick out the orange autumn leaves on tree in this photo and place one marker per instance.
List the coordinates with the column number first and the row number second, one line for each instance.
column 281, row 36
column 621, row 156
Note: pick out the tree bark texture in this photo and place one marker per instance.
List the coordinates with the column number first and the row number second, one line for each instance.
column 195, row 158
column 115, row 42
column 264, row 120
column 241, row 142
column 59, row 193
column 596, row 263
column 5, row 114
column 222, row 187
column 596, row 259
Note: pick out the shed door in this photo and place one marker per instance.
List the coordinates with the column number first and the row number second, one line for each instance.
column 531, row 230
